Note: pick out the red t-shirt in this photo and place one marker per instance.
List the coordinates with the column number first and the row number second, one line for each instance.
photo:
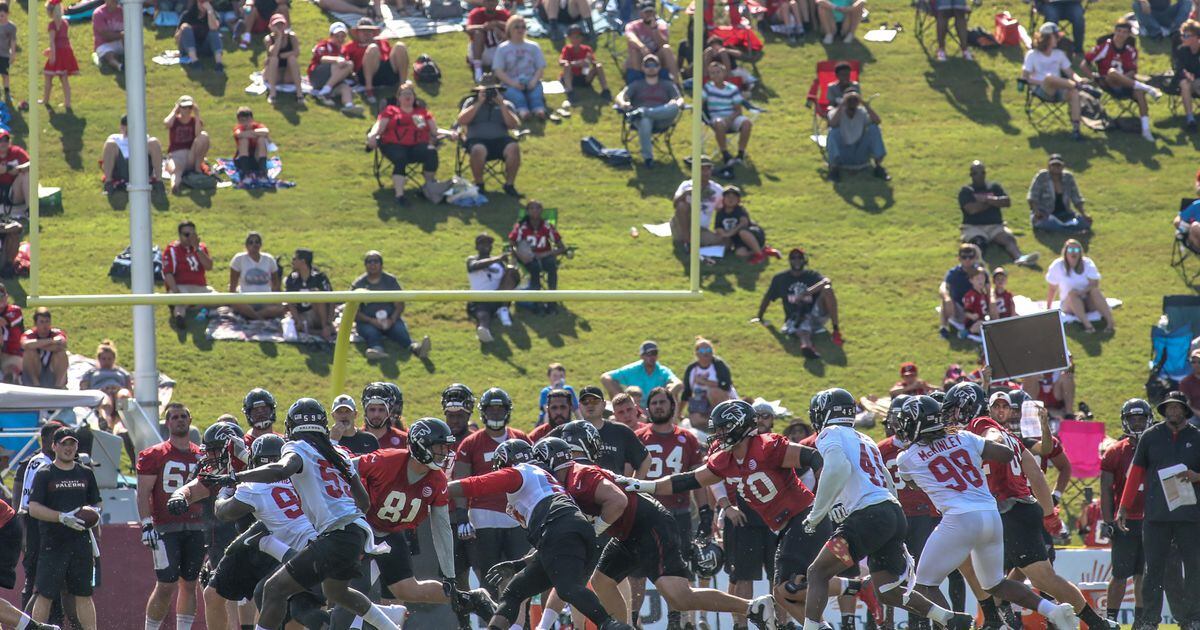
column 397, row 504
column 182, row 134
column 1006, row 481
column 393, row 438
column 327, row 47
column 482, row 15
column 478, row 449
column 540, row 431
column 1109, row 58
column 1116, row 460
column 406, row 128
column 183, row 263
column 6, row 513
column 32, row 335
column 582, row 481
column 571, row 52
column 171, row 469
column 12, row 330
column 16, row 156
column 541, row 239
column 773, row 492
column 975, row 303
column 252, row 141
column 354, row 51
column 673, row 452
column 1091, row 521
column 913, row 499
column 1005, row 307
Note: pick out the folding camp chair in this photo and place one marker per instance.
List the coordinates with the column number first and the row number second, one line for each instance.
column 818, row 98
column 660, row 137
column 1041, row 111
column 1081, row 441
column 925, row 19
column 462, row 157
column 379, row 163
column 1035, row 12
column 1182, row 250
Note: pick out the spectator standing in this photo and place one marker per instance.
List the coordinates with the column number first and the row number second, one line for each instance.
column 65, row 562
column 1190, row 384
column 738, row 232
column 406, row 133
column 955, row 285
column 108, row 34
column 556, row 374
column 1114, row 59
column 45, row 352
column 707, row 382
column 1166, row 444
column 1160, row 19
column 650, row 104
column 910, row 383
column 854, row 138
column 579, row 66
column 488, row 118
column 312, row 317
column 711, row 195
column 724, row 103
column 8, row 46
column 328, row 71
column 1055, row 11
column 12, row 332
column 283, row 59
column 646, row 373
column 537, row 245
column 345, row 432
column 622, row 452
column 252, row 139
column 185, row 265
column 188, row 141
column 1185, row 61
column 486, row 29
column 255, row 271
column 960, row 12
column 840, row 17
column 808, row 302
column 114, row 381
column 1003, row 304
column 520, row 64
column 60, row 57
column 199, row 33
column 114, row 159
column 376, row 320
column 376, row 62
column 649, row 35
column 1055, row 203
column 1074, row 278
column 981, row 202
column 489, row 273
column 1048, row 71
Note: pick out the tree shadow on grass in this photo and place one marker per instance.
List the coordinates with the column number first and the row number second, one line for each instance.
column 212, row 81
column 660, row 181
column 1092, row 343
column 70, row 128
column 1079, row 154
column 973, row 92
column 1054, row 241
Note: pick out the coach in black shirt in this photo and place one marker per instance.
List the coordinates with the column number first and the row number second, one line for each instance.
column 622, row 447
column 65, row 558
column 1166, row 444
column 345, row 433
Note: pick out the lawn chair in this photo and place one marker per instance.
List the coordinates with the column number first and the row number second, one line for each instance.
column 1035, row 11
column 1081, row 441
column 462, row 157
column 1041, row 110
column 925, row 19
column 379, row 162
column 1182, row 250
column 660, row 138
column 818, row 98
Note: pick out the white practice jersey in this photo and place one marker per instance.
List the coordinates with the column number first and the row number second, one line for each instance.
column 326, row 497
column 277, row 506
column 950, row 471
column 869, row 482
column 536, row 485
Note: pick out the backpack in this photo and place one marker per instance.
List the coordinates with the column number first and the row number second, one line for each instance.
column 443, row 9
column 122, row 265
column 613, row 157
column 980, row 38
column 425, row 70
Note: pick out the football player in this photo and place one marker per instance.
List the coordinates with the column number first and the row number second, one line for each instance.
column 874, row 527
column 259, row 408
column 378, row 401
column 558, row 413
column 396, row 406
column 458, row 403
column 13, row 617
column 1128, row 558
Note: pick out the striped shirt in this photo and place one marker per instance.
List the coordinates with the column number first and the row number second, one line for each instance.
column 720, row 100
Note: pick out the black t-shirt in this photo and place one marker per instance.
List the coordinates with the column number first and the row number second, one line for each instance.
column 789, row 288
column 1159, row 448
column 197, row 20
column 621, row 446
column 728, row 219
column 992, row 215
column 1184, row 59
column 386, row 282
column 316, row 281
column 63, row 490
column 360, row 443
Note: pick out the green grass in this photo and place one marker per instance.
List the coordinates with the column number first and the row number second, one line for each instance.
column 885, row 246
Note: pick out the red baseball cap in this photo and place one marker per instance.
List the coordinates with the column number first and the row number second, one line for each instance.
column 908, row 367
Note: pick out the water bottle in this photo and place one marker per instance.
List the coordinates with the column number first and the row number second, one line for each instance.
column 161, row 561
column 202, row 316
column 289, row 329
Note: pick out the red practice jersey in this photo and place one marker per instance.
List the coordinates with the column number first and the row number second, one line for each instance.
column 393, row 438
column 1005, row 481
column 477, row 450
column 327, row 47
column 772, row 491
column 1116, row 460
column 540, row 431
column 582, row 481
column 913, row 499
column 397, row 504
column 184, row 264
column 1109, row 58
column 671, row 453
column 171, row 468
column 1056, row 449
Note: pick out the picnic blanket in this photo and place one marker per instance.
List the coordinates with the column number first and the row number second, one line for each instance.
column 225, row 325
column 1026, row 306
column 401, row 27
column 274, row 167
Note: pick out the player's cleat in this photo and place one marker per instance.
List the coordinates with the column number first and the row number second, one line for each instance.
column 960, row 621
column 761, row 612
column 1064, row 617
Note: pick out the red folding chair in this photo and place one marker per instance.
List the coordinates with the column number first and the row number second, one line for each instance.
column 818, row 98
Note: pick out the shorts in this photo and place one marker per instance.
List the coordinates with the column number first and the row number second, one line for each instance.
column 748, row 552
column 877, row 533
column 333, row 555
column 1128, row 557
column 401, row 155
column 385, row 75
column 984, row 233
column 4, row 62
column 65, row 564
column 1119, row 93
column 978, row 534
column 219, row 538
column 919, row 529
column 320, row 75
column 796, row 549
column 1048, row 542
column 653, row 550
column 951, row 5
column 495, row 146
column 396, row 565
column 810, row 322
column 583, row 79
column 185, row 555
column 1023, row 544
column 116, row 47
column 731, row 124
column 1057, row 96
column 238, row 574
column 564, row 16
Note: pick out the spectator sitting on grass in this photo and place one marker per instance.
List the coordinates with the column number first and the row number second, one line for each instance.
column 840, row 17
column 787, row 17
column 486, row 29
column 406, row 133
column 910, row 383
column 261, row 13
column 854, row 136
column 14, row 172
column 108, row 34
column 707, row 382
column 283, row 59
column 537, row 245
column 376, row 320
column 738, row 233
column 955, row 285
column 114, row 381
column 579, row 66
column 808, row 302
column 649, row 35
column 1112, row 63
column 711, row 195
column 311, row 317
column 716, row 50
column 365, row 8
column 1002, row 299
column 1055, row 204
column 185, row 263
column 1185, row 61
column 555, row 13
column 650, row 104
column 646, row 373
column 982, row 220
column 188, row 141
column 12, row 330
column 556, row 374
column 1074, row 278
column 977, row 304
column 723, row 102
column 836, row 90
column 376, row 62
column 114, row 160
column 329, row 71
column 199, row 33
column 489, row 273
column 255, row 271
column 45, row 349
column 252, row 139
column 488, row 118
column 520, row 64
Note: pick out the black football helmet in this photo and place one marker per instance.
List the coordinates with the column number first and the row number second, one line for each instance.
column 259, row 398
column 266, row 449
column 495, row 397
column 396, row 401
column 730, row 422
column 917, row 416
column 832, row 406
column 306, row 415
column 964, row 402
column 426, row 433
column 218, row 444
column 892, row 419
column 1131, row 411
column 458, row 397
column 510, row 453
column 707, row 558
column 552, row 453
column 939, row 396
column 583, row 438
column 376, row 393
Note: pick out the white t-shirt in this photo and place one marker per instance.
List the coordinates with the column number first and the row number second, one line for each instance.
column 1057, row 275
column 869, row 477
column 708, row 205
column 486, row 279
column 1038, row 66
column 278, row 507
column 950, row 471
column 255, row 276
column 122, row 142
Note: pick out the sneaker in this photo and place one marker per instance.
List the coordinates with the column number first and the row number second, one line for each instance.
column 185, row 60
column 422, row 349
column 963, row 333
column 220, row 67
column 179, row 322
column 503, row 315
column 960, row 621
column 967, row 55
column 1147, row 136
column 1064, row 617
column 325, row 90
column 350, row 109
column 882, row 173
column 941, row 54
column 511, row 190
column 1076, row 136
column 375, row 353
column 848, row 39
column 772, row 252
column 945, row 332
column 761, row 612
column 828, row 39
column 245, row 43
column 485, row 336
column 402, row 200
column 1027, row 260
column 1154, row 93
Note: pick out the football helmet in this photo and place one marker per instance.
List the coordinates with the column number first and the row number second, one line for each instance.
column 552, row 453
column 376, row 393
column 964, row 402
column 510, row 453
column 424, row 435
column 259, row 398
column 834, row 405
column 730, row 422
column 219, row 443
column 917, row 416
column 707, row 558
column 583, row 438
column 458, row 397
column 495, row 397
column 266, row 449
column 306, row 415
column 1133, row 410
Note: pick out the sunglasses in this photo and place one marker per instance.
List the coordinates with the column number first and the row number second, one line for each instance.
column 254, row 241
column 1073, row 250
column 374, row 261
column 966, row 256
column 187, row 234
column 703, row 350
column 652, row 353
column 518, row 27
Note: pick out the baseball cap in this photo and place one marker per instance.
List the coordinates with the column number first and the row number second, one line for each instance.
column 574, row 28
column 277, row 19
column 764, row 409
column 591, row 390
column 372, row 253
column 344, row 400
column 999, row 396
column 908, row 367
column 705, row 160
column 647, row 346
column 797, row 251
column 185, row 101
column 999, row 271
column 732, row 189
column 1056, row 158
column 337, row 27
column 305, row 254
column 64, row 434
column 4, row 134
column 1049, row 28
